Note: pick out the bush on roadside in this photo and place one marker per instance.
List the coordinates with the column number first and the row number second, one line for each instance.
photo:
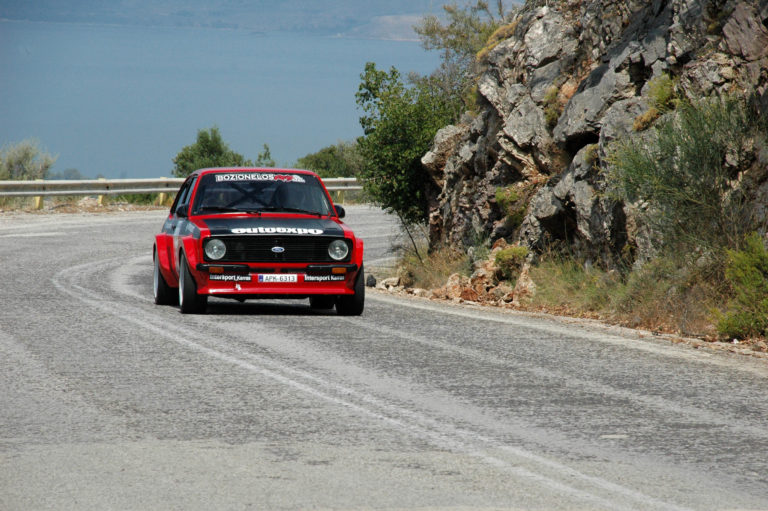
column 747, row 273
column 24, row 161
column 686, row 171
column 670, row 294
column 136, row 198
column 665, row 294
column 563, row 282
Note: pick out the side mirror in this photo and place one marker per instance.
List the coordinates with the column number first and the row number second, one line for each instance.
column 181, row 211
column 340, row 211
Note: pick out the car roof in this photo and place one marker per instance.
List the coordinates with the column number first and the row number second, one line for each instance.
column 271, row 170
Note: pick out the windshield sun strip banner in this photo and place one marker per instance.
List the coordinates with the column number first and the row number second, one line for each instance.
column 260, row 176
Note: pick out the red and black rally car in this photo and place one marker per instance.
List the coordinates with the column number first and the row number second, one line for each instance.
column 257, row 233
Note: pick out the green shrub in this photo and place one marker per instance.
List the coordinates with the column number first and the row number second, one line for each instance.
column 692, row 199
column 552, row 106
column 342, row 159
column 512, row 205
column 661, row 92
column 506, row 197
column 24, row 161
column 399, row 125
column 136, row 198
column 209, row 150
column 662, row 98
column 509, row 262
column 592, row 154
column 747, row 272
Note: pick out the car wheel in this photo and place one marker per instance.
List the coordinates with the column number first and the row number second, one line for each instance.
column 164, row 294
column 321, row 302
column 189, row 301
column 353, row 305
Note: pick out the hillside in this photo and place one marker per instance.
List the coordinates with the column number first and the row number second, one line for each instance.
column 573, row 76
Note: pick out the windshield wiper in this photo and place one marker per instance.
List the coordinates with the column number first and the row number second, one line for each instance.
column 287, row 210
column 222, row 209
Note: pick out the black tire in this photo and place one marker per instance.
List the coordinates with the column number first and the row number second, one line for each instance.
column 353, row 305
column 322, row 302
column 163, row 293
column 189, row 301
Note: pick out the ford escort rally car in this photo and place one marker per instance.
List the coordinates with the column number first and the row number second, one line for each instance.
column 257, row 233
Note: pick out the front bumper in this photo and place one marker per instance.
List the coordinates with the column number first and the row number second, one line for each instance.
column 270, row 280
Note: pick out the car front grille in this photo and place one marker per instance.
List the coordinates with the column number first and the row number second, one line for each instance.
column 296, row 249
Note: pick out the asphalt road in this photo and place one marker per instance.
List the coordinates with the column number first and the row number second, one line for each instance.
column 110, row 402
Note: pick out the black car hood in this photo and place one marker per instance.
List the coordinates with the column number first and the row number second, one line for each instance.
column 271, row 226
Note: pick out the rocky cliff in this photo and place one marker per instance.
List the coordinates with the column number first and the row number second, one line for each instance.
column 573, row 77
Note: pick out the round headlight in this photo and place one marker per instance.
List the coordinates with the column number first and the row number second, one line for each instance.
column 338, row 250
column 215, row 249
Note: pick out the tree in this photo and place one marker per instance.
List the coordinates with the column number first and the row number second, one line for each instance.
column 342, row 159
column 400, row 120
column 24, row 161
column 264, row 158
column 399, row 124
column 464, row 34
column 66, row 174
column 209, row 150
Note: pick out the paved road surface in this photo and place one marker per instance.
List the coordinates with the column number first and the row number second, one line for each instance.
column 109, row 402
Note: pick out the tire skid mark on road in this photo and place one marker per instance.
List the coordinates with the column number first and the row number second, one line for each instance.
column 421, row 426
column 711, row 417
column 89, row 220
column 568, row 328
column 37, row 234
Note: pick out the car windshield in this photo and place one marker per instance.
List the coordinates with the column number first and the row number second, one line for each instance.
column 257, row 192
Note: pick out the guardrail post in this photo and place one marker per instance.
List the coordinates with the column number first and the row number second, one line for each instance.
column 101, row 197
column 39, row 200
column 162, row 197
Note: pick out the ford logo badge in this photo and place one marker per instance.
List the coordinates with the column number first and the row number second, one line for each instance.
column 278, row 250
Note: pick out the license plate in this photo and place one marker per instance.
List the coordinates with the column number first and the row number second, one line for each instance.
column 279, row 278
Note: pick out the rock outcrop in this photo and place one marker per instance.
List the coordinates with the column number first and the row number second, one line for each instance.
column 572, row 78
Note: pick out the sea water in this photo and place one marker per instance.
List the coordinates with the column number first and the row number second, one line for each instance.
column 122, row 101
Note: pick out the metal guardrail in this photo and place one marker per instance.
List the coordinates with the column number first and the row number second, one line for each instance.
column 101, row 187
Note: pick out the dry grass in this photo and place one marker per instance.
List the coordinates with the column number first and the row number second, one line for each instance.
column 500, row 34
column 645, row 120
column 433, row 269
column 663, row 296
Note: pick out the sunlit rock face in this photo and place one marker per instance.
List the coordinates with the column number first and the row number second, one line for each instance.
column 568, row 82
